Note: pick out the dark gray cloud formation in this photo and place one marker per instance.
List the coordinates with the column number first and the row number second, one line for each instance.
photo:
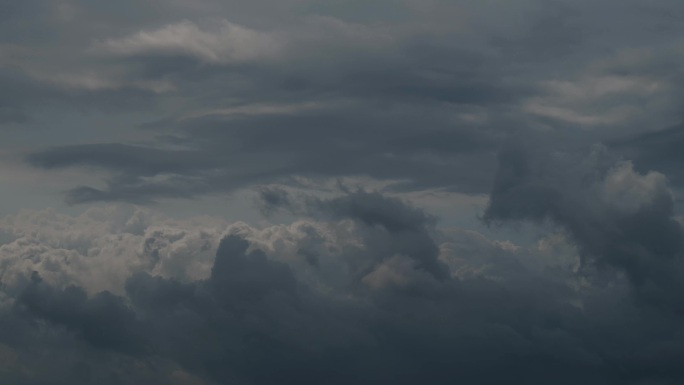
column 567, row 113
column 255, row 320
column 617, row 217
column 423, row 95
column 660, row 150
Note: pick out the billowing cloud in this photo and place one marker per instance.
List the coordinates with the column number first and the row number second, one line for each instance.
column 292, row 302
column 324, row 92
column 452, row 192
column 101, row 248
column 616, row 216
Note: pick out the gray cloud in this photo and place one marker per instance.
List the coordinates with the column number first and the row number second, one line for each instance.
column 225, row 154
column 416, row 98
column 568, row 114
column 258, row 315
column 617, row 217
column 657, row 150
column 349, row 100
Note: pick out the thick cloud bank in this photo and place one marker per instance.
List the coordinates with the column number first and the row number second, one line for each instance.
column 207, row 97
column 363, row 289
column 616, row 216
column 452, row 192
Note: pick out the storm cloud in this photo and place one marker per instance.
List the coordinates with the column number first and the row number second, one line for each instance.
column 341, row 192
column 422, row 96
column 263, row 313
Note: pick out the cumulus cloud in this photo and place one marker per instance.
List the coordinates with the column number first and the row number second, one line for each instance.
column 343, row 117
column 616, row 216
column 101, row 248
column 367, row 310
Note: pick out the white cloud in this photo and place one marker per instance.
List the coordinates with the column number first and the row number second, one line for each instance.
column 102, row 247
column 628, row 190
column 596, row 99
column 225, row 43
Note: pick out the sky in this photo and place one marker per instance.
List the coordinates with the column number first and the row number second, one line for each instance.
column 341, row 192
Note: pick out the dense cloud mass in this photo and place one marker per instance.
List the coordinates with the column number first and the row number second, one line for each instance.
column 418, row 94
column 616, row 216
column 365, row 289
column 341, row 192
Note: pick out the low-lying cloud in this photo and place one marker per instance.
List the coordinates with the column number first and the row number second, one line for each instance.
column 362, row 289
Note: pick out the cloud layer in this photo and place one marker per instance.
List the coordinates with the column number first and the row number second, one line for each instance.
column 230, row 100
column 362, row 289
column 477, row 192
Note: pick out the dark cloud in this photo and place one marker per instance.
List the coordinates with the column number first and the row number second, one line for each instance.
column 402, row 97
column 226, row 154
column 23, row 98
column 617, row 217
column 254, row 320
column 659, row 150
column 145, row 161
column 333, row 98
column 392, row 227
column 271, row 199
column 352, row 100
column 418, row 98
column 103, row 321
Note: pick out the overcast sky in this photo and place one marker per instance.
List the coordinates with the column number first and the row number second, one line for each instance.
column 341, row 192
